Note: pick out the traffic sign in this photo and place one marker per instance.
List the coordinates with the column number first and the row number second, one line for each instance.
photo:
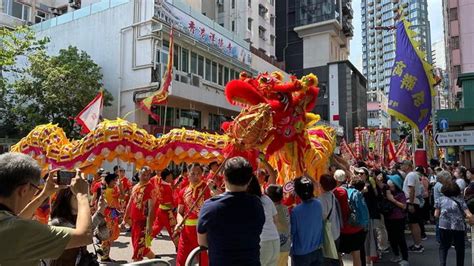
column 455, row 138
column 443, row 124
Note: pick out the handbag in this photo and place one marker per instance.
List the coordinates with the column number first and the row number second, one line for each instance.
column 329, row 246
column 87, row 258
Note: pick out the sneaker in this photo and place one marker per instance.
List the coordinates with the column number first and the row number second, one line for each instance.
column 418, row 249
column 396, row 259
column 387, row 250
column 404, row 263
column 424, row 238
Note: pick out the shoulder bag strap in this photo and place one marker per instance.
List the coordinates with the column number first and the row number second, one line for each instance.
column 332, row 205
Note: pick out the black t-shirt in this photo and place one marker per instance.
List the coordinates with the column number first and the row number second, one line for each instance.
column 233, row 222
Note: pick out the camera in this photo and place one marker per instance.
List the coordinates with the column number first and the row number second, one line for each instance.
column 65, row 177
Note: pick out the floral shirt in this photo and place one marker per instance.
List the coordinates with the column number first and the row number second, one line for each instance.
column 451, row 217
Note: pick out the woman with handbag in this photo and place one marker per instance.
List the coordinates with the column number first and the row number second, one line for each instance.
column 395, row 219
column 450, row 209
column 332, row 217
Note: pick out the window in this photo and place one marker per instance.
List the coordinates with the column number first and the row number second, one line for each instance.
column 160, row 111
column 272, row 20
column 214, row 72
column 220, row 7
column 233, row 3
column 185, row 60
column 249, row 3
column 215, row 121
column 261, row 32
column 262, row 10
column 208, row 69
column 221, row 75
column 193, row 63
column 249, row 23
column 176, row 56
column 453, row 14
column 232, row 74
column 21, row 11
column 226, row 75
column 272, row 2
column 221, row 24
column 272, row 40
column 201, row 66
column 233, row 25
column 40, row 16
column 455, row 42
column 190, row 118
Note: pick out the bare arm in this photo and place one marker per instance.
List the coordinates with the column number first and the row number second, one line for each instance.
column 436, row 213
column 150, row 215
column 29, row 210
column 271, row 172
column 180, row 214
column 411, row 191
column 202, row 240
column 82, row 234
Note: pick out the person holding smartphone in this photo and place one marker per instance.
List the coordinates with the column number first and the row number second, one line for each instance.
column 20, row 197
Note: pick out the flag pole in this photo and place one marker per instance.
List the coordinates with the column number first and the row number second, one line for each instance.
column 164, row 118
column 414, row 143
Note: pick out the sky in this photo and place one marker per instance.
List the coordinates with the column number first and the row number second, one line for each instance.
column 435, row 15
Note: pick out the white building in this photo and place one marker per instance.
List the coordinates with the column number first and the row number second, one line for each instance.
column 14, row 13
column 439, row 54
column 129, row 40
column 251, row 20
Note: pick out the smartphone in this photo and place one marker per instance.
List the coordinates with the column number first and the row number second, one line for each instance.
column 65, row 177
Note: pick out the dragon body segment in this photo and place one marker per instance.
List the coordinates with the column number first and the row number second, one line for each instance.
column 275, row 120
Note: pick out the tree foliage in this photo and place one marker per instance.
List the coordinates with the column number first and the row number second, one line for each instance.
column 15, row 45
column 45, row 88
column 56, row 88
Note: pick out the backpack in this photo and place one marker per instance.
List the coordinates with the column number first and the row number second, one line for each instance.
column 358, row 211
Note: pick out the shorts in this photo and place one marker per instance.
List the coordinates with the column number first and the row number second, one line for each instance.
column 351, row 242
column 415, row 217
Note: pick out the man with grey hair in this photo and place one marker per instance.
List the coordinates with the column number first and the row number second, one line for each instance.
column 24, row 241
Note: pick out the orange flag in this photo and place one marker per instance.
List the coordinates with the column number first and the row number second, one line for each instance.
column 161, row 95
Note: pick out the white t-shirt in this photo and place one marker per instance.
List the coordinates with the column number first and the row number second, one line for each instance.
column 461, row 183
column 413, row 180
column 269, row 231
column 328, row 202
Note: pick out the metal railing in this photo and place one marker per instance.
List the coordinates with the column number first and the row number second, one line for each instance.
column 195, row 255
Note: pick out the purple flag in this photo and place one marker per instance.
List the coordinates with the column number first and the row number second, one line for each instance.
column 410, row 85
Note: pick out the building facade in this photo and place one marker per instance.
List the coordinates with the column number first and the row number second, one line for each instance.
column 459, row 39
column 15, row 13
column 342, row 99
column 250, row 20
column 129, row 40
column 312, row 33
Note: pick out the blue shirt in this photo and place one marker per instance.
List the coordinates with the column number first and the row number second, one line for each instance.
column 306, row 227
column 233, row 222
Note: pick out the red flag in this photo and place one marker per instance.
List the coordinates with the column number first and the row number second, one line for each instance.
column 89, row 117
column 161, row 96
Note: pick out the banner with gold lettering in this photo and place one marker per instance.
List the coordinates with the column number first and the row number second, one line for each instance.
column 411, row 82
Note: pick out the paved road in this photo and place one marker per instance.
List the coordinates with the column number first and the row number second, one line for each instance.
column 122, row 250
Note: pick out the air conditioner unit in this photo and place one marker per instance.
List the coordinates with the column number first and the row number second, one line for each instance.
column 184, row 79
column 195, row 80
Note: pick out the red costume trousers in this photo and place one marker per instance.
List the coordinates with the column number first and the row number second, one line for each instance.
column 166, row 219
column 139, row 240
column 188, row 242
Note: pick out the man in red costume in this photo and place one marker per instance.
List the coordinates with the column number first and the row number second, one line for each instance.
column 124, row 185
column 139, row 215
column 188, row 198
column 215, row 181
column 164, row 204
